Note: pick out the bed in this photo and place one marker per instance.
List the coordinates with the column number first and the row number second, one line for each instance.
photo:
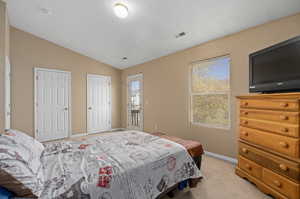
column 196, row 151
column 125, row 164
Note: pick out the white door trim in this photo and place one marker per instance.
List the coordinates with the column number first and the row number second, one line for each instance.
column 36, row 69
column 88, row 99
column 138, row 76
column 7, row 98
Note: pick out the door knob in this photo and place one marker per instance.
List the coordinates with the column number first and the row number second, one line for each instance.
column 66, row 109
column 90, row 108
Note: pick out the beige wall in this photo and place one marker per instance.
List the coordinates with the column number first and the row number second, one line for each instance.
column 27, row 52
column 166, row 83
column 4, row 51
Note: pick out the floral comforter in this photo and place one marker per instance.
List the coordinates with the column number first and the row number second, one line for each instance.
column 119, row 165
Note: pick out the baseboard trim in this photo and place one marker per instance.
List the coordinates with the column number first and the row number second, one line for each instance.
column 221, row 157
column 117, row 129
column 78, row 135
column 85, row 134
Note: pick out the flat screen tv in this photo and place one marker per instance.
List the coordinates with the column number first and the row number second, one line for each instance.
column 277, row 68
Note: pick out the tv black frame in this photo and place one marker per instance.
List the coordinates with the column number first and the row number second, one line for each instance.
column 285, row 86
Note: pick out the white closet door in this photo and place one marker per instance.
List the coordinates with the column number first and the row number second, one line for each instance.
column 98, row 103
column 52, row 104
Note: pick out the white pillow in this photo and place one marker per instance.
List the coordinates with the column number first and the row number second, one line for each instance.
column 20, row 164
column 35, row 146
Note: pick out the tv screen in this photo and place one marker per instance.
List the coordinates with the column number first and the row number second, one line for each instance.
column 276, row 68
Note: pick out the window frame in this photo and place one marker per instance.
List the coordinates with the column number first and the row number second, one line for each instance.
column 192, row 94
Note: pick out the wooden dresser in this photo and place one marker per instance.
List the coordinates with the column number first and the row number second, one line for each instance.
column 269, row 154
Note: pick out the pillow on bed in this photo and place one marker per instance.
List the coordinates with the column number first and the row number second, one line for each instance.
column 25, row 140
column 21, row 169
column 27, row 143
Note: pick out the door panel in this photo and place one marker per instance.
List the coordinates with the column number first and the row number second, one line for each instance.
column 52, row 104
column 135, row 102
column 98, row 103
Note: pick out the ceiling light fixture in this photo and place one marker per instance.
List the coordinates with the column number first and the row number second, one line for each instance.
column 121, row 10
column 180, row 34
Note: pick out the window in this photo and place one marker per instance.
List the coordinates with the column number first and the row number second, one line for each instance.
column 210, row 92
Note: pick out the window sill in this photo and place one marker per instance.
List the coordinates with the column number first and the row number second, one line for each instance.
column 210, row 126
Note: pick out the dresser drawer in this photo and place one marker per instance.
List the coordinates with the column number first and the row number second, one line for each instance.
column 276, row 127
column 281, row 166
column 282, row 144
column 277, row 116
column 260, row 185
column 271, row 104
column 281, row 184
column 250, row 167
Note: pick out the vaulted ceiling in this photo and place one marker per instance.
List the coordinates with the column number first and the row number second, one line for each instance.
column 91, row 28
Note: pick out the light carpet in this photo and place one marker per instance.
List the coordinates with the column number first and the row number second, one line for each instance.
column 220, row 182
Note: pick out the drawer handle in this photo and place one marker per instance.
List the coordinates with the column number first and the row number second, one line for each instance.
column 245, row 133
column 277, row 183
column 284, row 144
column 284, row 117
column 248, row 167
column 284, row 129
column 245, row 113
column 245, row 103
column 283, row 167
column 284, row 104
column 244, row 122
column 245, row 150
